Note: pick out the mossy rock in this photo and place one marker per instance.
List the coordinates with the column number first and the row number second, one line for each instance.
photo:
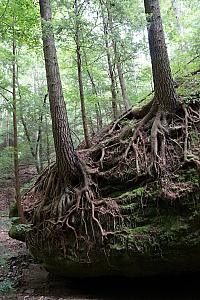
column 19, row 231
column 167, row 243
column 146, row 252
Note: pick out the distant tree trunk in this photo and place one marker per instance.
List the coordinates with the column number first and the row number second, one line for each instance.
column 94, row 91
column 92, row 131
column 15, row 146
column 38, row 147
column 178, row 24
column 165, row 95
column 122, row 84
column 34, row 152
column 80, row 77
column 66, row 158
column 117, row 57
column 26, row 131
column 7, row 129
column 110, row 66
column 47, row 139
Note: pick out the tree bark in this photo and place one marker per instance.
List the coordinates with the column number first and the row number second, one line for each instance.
column 165, row 95
column 66, row 158
column 80, row 77
column 15, row 135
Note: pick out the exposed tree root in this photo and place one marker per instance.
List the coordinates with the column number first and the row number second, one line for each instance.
column 126, row 153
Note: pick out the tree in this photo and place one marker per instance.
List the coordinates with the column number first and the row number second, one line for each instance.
column 79, row 67
column 165, row 98
column 111, row 66
column 165, row 95
column 115, row 42
column 67, row 161
column 97, row 200
column 15, row 135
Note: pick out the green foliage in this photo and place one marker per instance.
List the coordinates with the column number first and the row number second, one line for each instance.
column 129, row 32
column 6, row 160
column 5, row 286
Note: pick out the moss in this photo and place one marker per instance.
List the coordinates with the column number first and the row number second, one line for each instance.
column 190, row 176
column 19, row 231
column 133, row 193
column 157, row 236
column 13, row 211
column 17, row 234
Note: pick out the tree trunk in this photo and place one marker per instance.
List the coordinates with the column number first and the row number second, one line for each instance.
column 117, row 57
column 94, row 91
column 178, row 24
column 26, row 131
column 80, row 77
column 66, row 158
column 122, row 84
column 110, row 66
column 15, row 146
column 165, row 95
column 47, row 139
column 38, row 147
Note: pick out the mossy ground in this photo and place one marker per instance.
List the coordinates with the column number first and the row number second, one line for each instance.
column 157, row 236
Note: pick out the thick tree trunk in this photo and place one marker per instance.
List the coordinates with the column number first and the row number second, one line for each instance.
column 16, row 159
column 66, row 158
column 80, row 77
column 165, row 94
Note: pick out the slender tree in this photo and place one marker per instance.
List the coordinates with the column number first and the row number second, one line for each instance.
column 110, row 65
column 117, row 55
column 178, row 24
column 95, row 93
column 80, row 76
column 35, row 151
column 15, row 134
column 66, row 158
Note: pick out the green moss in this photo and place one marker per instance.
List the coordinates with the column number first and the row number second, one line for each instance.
column 13, row 211
column 191, row 176
column 18, row 232
column 133, row 193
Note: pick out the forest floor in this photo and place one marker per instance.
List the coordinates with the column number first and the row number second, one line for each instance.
column 23, row 279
